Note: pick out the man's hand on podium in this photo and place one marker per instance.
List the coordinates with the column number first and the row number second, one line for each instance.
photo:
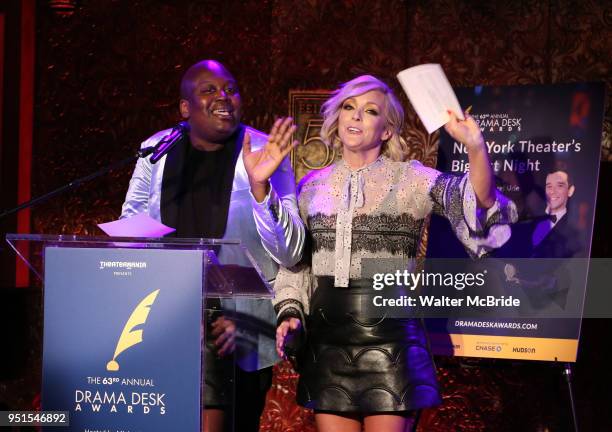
column 224, row 332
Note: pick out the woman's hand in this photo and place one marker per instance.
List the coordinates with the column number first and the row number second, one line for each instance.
column 285, row 333
column 261, row 164
column 465, row 131
column 481, row 173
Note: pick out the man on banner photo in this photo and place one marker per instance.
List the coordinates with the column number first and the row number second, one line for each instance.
column 552, row 234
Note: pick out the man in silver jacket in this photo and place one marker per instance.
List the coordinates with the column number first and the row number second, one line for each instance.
column 211, row 104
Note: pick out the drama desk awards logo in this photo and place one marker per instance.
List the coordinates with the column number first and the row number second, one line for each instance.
column 112, row 393
column 498, row 122
column 131, row 336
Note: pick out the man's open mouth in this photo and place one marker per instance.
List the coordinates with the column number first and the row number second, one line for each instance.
column 224, row 113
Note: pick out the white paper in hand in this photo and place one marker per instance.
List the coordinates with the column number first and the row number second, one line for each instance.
column 140, row 225
column 430, row 94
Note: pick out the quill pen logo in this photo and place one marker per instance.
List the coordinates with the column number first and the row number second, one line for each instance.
column 131, row 336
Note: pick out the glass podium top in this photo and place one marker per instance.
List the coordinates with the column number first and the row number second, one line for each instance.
column 119, row 241
column 229, row 267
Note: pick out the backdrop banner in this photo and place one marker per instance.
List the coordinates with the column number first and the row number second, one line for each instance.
column 544, row 142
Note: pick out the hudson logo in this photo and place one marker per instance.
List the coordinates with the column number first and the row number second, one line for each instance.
column 524, row 350
column 131, row 336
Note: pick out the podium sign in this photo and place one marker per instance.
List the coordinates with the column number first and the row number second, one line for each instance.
column 122, row 337
column 126, row 320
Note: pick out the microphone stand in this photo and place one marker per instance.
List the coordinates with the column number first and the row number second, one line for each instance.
column 73, row 184
column 567, row 373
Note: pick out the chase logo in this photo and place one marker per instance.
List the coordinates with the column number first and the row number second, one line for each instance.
column 130, row 335
column 489, row 348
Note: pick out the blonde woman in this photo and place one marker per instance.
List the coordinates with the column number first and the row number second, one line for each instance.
column 371, row 205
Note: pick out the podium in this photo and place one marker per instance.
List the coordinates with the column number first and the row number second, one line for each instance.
column 128, row 323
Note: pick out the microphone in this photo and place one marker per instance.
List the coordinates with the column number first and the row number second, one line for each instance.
column 169, row 141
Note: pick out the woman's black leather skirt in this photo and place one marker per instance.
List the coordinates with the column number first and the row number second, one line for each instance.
column 354, row 363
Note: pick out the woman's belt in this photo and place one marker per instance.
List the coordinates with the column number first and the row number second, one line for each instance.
column 356, row 299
